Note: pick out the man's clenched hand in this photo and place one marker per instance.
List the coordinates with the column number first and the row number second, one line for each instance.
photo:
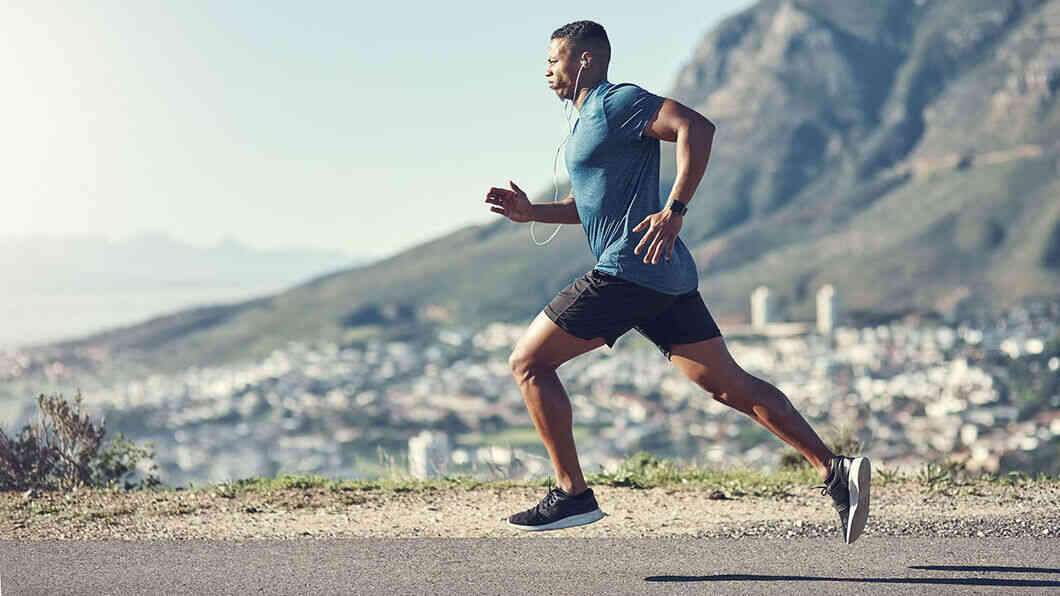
column 662, row 235
column 512, row 204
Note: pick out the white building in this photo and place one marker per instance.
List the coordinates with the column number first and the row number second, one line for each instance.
column 428, row 454
column 827, row 309
column 761, row 307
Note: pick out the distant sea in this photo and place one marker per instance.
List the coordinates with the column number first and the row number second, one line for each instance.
column 34, row 317
column 64, row 287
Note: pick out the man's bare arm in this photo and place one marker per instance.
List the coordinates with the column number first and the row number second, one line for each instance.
column 515, row 205
column 561, row 212
column 694, row 135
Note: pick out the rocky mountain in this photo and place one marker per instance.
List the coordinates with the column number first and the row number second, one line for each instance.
column 905, row 151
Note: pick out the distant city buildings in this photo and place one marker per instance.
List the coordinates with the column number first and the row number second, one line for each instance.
column 913, row 392
column 764, row 319
column 763, row 315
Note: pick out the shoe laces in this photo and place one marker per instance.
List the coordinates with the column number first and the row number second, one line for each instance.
column 827, row 489
column 551, row 498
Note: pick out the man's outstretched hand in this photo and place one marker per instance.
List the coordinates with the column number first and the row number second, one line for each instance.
column 512, row 204
column 662, row 235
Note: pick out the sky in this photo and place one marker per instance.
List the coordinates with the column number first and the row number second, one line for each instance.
column 326, row 125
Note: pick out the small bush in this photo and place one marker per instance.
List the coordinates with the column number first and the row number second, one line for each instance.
column 645, row 470
column 64, row 449
column 639, row 470
column 889, row 475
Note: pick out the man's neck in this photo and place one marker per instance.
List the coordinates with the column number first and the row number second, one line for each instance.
column 583, row 92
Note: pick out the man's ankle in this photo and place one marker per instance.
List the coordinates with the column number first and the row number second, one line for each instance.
column 575, row 493
column 828, row 467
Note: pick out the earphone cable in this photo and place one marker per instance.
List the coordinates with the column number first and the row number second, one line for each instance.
column 555, row 160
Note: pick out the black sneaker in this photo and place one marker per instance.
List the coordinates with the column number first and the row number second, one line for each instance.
column 848, row 485
column 558, row 510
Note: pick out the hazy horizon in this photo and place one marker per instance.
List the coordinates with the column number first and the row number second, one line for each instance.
column 67, row 287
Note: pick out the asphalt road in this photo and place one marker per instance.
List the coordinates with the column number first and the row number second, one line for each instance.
column 554, row 564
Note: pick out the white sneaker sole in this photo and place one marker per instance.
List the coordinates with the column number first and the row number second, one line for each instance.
column 568, row 522
column 858, row 481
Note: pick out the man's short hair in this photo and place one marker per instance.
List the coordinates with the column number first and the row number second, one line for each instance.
column 586, row 35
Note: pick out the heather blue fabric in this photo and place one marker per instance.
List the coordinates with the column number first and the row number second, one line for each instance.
column 614, row 172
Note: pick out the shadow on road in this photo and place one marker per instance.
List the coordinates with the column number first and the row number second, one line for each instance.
column 985, row 568
column 959, row 581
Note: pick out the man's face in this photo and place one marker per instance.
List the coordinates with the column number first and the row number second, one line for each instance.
column 561, row 68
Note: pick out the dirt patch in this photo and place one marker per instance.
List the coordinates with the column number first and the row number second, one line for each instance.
column 899, row 509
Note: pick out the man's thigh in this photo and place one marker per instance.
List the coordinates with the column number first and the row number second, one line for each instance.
column 707, row 363
column 544, row 342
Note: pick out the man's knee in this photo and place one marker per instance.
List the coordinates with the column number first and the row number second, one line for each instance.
column 719, row 381
column 708, row 383
column 763, row 394
column 525, row 364
column 736, row 388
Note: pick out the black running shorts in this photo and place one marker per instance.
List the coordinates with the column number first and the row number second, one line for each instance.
column 599, row 304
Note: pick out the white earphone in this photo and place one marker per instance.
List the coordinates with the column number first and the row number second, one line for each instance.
column 555, row 160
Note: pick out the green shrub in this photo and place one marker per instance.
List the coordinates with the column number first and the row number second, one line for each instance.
column 64, row 449
column 645, row 470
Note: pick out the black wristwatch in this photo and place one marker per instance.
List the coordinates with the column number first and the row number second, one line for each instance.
column 678, row 207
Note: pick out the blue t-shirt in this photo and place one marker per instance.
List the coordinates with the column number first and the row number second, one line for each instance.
column 614, row 173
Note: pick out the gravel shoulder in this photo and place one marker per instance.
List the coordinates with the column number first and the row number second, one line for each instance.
column 900, row 509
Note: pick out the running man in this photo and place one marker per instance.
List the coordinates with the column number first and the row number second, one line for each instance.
column 644, row 278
